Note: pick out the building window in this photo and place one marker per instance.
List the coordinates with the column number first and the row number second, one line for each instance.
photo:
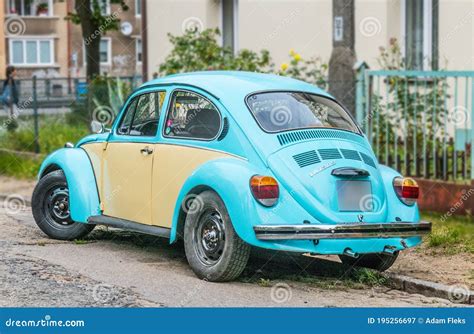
column 30, row 7
column 31, row 51
column 420, row 34
column 105, row 51
column 138, row 7
column 138, row 50
column 229, row 10
column 104, row 6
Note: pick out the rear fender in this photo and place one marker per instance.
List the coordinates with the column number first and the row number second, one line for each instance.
column 83, row 193
column 229, row 178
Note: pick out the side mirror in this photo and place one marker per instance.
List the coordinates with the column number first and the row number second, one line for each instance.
column 97, row 127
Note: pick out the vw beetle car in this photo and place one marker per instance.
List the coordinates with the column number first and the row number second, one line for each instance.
column 230, row 160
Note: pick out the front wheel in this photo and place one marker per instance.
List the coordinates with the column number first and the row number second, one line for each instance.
column 377, row 261
column 50, row 205
column 213, row 249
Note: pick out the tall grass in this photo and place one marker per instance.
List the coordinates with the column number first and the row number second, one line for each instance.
column 54, row 132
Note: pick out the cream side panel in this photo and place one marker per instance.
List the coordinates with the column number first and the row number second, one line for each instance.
column 95, row 152
column 172, row 166
column 127, row 182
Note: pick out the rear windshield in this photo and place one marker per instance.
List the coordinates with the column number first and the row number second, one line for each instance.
column 282, row 111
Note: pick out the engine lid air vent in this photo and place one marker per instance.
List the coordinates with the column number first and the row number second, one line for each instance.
column 307, row 158
column 350, row 154
column 329, row 153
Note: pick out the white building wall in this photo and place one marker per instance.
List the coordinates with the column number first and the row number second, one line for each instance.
column 306, row 27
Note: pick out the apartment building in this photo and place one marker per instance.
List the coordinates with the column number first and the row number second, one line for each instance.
column 39, row 41
column 433, row 34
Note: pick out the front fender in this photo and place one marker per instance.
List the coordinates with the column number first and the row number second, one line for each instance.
column 83, row 193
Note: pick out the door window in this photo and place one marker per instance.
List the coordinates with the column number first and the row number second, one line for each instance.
column 142, row 115
column 192, row 116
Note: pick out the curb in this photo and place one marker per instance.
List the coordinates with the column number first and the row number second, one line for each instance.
column 458, row 294
column 25, row 201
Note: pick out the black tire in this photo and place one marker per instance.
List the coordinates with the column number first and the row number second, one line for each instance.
column 50, row 206
column 377, row 261
column 213, row 249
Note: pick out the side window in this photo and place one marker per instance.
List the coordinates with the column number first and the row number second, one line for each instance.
column 145, row 115
column 124, row 127
column 192, row 116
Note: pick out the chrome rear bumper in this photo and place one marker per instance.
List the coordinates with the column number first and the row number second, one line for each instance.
column 342, row 231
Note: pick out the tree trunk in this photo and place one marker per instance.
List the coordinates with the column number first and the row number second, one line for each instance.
column 342, row 81
column 91, row 36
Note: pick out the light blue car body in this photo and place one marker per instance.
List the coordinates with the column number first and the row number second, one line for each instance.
column 306, row 194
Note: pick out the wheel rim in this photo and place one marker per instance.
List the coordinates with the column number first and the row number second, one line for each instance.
column 56, row 206
column 209, row 237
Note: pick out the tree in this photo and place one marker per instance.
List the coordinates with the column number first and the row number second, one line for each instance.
column 342, row 80
column 95, row 21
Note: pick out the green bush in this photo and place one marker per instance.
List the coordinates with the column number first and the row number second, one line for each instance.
column 200, row 51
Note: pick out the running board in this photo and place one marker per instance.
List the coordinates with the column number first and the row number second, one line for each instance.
column 129, row 225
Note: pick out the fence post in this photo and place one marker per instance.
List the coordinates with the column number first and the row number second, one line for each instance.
column 35, row 116
column 360, row 68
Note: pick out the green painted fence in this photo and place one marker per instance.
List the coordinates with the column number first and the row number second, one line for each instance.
column 419, row 122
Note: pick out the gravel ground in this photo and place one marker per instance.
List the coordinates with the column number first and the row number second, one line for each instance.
column 119, row 268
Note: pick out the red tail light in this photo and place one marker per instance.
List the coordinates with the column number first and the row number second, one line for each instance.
column 406, row 189
column 264, row 189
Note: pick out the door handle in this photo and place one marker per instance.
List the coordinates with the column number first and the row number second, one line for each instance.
column 146, row 150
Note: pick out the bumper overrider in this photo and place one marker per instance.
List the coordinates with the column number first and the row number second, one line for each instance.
column 342, row 231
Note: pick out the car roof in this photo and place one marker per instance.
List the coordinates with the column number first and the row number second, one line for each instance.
column 220, row 83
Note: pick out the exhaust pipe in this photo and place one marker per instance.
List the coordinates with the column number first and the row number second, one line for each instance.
column 389, row 250
column 351, row 253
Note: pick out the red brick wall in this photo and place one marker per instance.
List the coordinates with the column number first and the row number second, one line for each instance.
column 446, row 197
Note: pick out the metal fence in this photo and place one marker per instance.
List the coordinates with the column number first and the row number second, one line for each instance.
column 52, row 98
column 420, row 122
column 59, row 92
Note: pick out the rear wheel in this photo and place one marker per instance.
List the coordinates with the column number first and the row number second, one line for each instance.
column 51, row 210
column 213, row 249
column 377, row 261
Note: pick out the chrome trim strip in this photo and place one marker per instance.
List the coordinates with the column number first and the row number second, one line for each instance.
column 341, row 231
